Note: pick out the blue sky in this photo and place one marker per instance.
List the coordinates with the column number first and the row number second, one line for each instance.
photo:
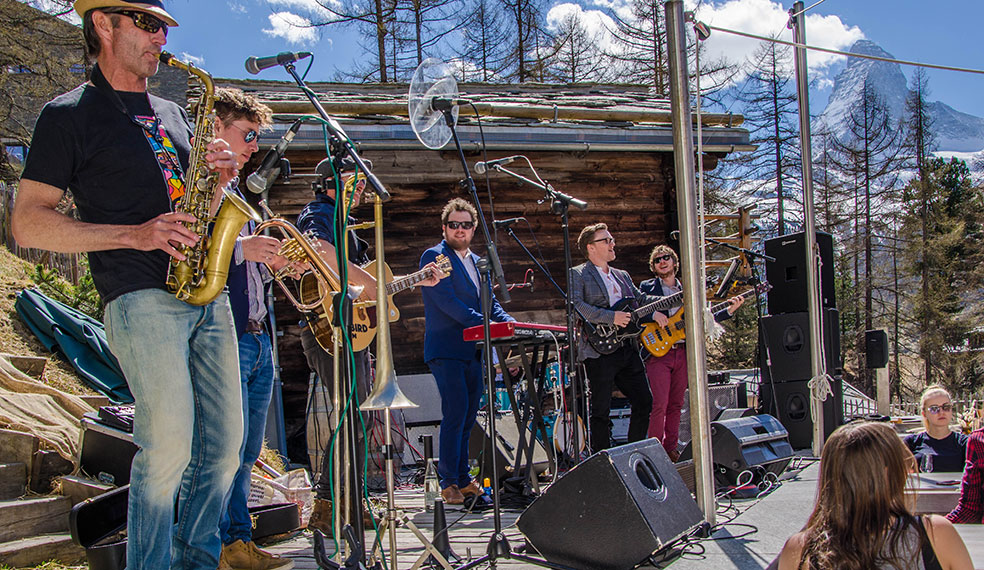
column 221, row 34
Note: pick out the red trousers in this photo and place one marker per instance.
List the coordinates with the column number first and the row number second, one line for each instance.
column 668, row 383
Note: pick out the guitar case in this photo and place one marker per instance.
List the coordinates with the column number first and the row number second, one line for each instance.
column 98, row 525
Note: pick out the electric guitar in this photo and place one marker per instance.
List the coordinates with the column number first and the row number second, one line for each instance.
column 364, row 319
column 659, row 340
column 607, row 338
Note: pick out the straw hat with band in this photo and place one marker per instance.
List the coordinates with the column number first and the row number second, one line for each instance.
column 155, row 7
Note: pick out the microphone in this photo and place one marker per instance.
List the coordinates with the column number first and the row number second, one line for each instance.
column 257, row 182
column 255, row 64
column 446, row 103
column 481, row 167
column 499, row 224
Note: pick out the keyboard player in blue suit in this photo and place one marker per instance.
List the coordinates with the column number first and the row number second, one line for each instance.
column 450, row 307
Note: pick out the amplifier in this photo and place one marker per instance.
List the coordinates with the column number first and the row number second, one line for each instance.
column 720, row 397
column 106, row 452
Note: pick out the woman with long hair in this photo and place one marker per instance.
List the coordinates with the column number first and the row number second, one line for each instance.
column 937, row 447
column 861, row 520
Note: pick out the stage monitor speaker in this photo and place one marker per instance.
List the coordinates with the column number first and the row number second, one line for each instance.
column 790, row 402
column 612, row 510
column 421, row 389
column 759, row 444
column 787, row 274
column 788, row 336
column 720, row 398
column 876, row 348
column 506, row 447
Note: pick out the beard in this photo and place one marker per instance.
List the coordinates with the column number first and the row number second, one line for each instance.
column 458, row 244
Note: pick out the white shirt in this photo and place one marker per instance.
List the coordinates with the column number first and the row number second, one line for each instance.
column 611, row 285
column 470, row 268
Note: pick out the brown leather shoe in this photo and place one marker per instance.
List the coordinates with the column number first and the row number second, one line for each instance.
column 471, row 488
column 321, row 517
column 674, row 455
column 452, row 495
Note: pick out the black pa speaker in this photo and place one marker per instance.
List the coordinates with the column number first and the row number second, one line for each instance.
column 790, row 402
column 876, row 348
column 788, row 336
column 612, row 510
column 787, row 274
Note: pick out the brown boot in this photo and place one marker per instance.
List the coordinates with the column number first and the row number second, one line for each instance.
column 471, row 488
column 321, row 517
column 247, row 556
column 452, row 495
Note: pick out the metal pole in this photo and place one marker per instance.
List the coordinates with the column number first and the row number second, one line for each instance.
column 798, row 25
column 694, row 298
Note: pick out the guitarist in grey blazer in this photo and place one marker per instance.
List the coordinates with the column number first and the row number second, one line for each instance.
column 596, row 287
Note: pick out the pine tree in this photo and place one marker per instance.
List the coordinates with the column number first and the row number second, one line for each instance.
column 484, row 51
column 868, row 155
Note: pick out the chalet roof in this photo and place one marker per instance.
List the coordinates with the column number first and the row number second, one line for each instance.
column 580, row 117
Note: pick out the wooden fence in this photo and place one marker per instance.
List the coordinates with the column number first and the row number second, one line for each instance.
column 68, row 265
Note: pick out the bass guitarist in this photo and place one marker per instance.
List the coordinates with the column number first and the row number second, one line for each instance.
column 596, row 288
column 668, row 373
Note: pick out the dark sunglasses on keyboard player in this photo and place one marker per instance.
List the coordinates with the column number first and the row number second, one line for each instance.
column 463, row 225
column 142, row 20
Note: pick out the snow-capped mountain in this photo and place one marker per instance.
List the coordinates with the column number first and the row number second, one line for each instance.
column 954, row 131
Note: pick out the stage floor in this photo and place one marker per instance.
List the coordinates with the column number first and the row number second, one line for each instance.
column 750, row 533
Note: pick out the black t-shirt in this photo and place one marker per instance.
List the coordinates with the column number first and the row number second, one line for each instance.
column 948, row 454
column 84, row 143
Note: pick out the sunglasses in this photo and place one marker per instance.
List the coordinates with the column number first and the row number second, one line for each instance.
column 142, row 20
column 248, row 136
column 938, row 409
column 662, row 258
column 462, row 225
column 604, row 239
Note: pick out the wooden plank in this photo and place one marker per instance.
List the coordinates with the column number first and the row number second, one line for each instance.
column 21, row 518
column 78, row 489
column 47, row 466
column 36, row 550
column 17, row 447
column 13, row 480
column 33, row 366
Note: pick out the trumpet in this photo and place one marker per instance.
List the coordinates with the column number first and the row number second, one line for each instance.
column 300, row 248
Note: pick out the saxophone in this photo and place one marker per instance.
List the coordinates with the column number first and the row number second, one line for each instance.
column 202, row 275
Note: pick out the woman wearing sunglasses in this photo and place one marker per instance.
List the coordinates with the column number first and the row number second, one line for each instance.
column 937, row 448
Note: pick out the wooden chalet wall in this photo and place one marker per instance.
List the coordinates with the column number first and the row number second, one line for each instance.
column 609, row 145
column 628, row 191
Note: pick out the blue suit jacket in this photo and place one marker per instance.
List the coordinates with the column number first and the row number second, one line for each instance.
column 450, row 307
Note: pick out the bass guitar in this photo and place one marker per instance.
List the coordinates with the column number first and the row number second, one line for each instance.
column 607, row 338
column 659, row 340
column 364, row 320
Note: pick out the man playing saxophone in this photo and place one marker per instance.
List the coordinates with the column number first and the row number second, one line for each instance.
column 123, row 154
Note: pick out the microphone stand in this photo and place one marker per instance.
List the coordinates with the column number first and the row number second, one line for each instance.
column 560, row 204
column 498, row 546
column 339, row 136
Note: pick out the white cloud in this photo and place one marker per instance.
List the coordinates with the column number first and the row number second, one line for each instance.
column 196, row 60
column 595, row 22
column 314, row 9
column 292, row 27
column 237, row 7
column 769, row 18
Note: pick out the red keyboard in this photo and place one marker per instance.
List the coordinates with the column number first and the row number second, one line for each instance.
column 509, row 330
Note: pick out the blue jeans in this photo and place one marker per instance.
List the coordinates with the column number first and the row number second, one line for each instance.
column 256, row 375
column 182, row 366
column 460, row 385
